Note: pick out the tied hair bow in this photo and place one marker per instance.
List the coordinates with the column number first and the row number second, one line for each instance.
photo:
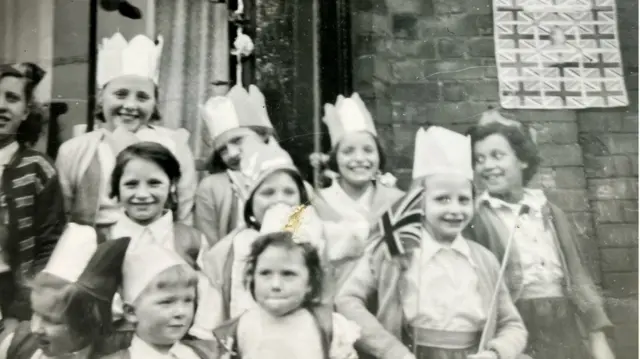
column 294, row 224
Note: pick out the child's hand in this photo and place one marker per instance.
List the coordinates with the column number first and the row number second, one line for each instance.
column 600, row 346
column 487, row 354
column 318, row 159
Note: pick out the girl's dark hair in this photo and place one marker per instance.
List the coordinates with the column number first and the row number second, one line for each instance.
column 304, row 197
column 29, row 130
column 285, row 240
column 152, row 152
column 155, row 115
column 215, row 164
column 518, row 138
column 333, row 155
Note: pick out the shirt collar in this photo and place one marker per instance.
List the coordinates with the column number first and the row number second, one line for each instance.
column 141, row 349
column 535, row 199
column 6, row 153
column 126, row 227
column 80, row 354
column 364, row 200
column 430, row 247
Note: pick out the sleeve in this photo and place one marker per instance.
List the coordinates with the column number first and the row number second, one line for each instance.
column 50, row 216
column 188, row 182
column 511, row 335
column 209, row 312
column 4, row 346
column 65, row 178
column 206, row 213
column 351, row 302
column 345, row 334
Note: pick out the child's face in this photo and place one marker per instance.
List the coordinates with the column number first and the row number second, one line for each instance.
column 164, row 315
column 231, row 151
column 497, row 165
column 279, row 187
column 281, row 280
column 128, row 101
column 53, row 334
column 13, row 105
column 144, row 190
column 358, row 158
column 448, row 202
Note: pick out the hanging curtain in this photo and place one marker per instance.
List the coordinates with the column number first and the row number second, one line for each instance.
column 190, row 30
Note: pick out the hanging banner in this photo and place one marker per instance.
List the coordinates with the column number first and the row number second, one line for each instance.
column 558, row 54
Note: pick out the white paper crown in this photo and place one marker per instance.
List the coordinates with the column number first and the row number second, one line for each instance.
column 72, row 253
column 142, row 265
column 442, row 151
column 260, row 159
column 117, row 57
column 347, row 116
column 257, row 99
column 234, row 110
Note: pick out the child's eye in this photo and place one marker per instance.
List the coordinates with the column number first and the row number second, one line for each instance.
column 289, row 273
column 121, row 94
column 347, row 150
column 268, row 192
column 131, row 183
column 143, row 96
column 479, row 159
column 264, row 272
column 464, row 199
column 498, row 155
column 443, row 199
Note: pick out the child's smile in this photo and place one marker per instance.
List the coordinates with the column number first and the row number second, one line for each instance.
column 448, row 205
column 144, row 190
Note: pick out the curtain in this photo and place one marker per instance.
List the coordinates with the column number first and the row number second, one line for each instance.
column 195, row 55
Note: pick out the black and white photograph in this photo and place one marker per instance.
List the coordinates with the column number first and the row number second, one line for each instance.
column 319, row 179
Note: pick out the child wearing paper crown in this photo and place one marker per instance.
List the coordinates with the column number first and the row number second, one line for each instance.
column 71, row 301
column 284, row 275
column 31, row 202
column 230, row 120
column 144, row 181
column 275, row 188
column 438, row 295
column 159, row 291
column 358, row 195
column 127, row 75
column 546, row 272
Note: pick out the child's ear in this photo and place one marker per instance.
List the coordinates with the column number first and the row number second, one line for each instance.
column 130, row 313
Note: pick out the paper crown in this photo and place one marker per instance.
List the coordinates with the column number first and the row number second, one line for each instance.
column 117, row 57
column 142, row 265
column 348, row 115
column 260, row 159
column 237, row 109
column 442, row 151
column 73, row 252
column 103, row 275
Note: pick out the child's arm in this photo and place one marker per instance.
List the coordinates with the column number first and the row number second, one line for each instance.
column 511, row 335
column 63, row 166
column 351, row 302
column 50, row 217
column 188, row 182
column 345, row 334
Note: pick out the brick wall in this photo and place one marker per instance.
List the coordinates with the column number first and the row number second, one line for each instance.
column 419, row 61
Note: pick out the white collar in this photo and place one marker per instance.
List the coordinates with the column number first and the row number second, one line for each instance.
column 6, row 153
column 535, row 199
column 80, row 354
column 430, row 247
column 140, row 349
column 126, row 227
column 365, row 199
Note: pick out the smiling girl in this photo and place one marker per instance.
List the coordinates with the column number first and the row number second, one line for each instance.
column 546, row 271
column 144, row 183
column 127, row 103
column 239, row 116
column 357, row 197
column 31, row 202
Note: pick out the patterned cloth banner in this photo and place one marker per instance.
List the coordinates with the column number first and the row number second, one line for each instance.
column 558, row 54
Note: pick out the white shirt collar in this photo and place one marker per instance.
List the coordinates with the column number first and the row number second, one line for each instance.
column 535, row 199
column 431, row 247
column 140, row 349
column 126, row 227
column 365, row 199
column 6, row 153
column 80, row 354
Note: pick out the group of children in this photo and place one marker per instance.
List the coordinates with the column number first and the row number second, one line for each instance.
column 253, row 262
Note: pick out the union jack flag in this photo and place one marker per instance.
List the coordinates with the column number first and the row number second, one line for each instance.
column 400, row 227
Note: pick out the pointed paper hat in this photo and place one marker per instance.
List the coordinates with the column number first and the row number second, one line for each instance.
column 234, row 110
column 103, row 274
column 348, row 115
column 142, row 265
column 442, row 151
column 73, row 252
column 257, row 99
column 117, row 57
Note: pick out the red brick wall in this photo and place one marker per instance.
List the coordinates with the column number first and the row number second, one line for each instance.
column 418, row 61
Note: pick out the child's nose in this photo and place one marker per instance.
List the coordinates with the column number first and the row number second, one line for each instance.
column 142, row 191
column 276, row 283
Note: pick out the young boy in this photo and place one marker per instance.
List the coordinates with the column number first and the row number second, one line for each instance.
column 159, row 292
column 71, row 301
column 432, row 287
